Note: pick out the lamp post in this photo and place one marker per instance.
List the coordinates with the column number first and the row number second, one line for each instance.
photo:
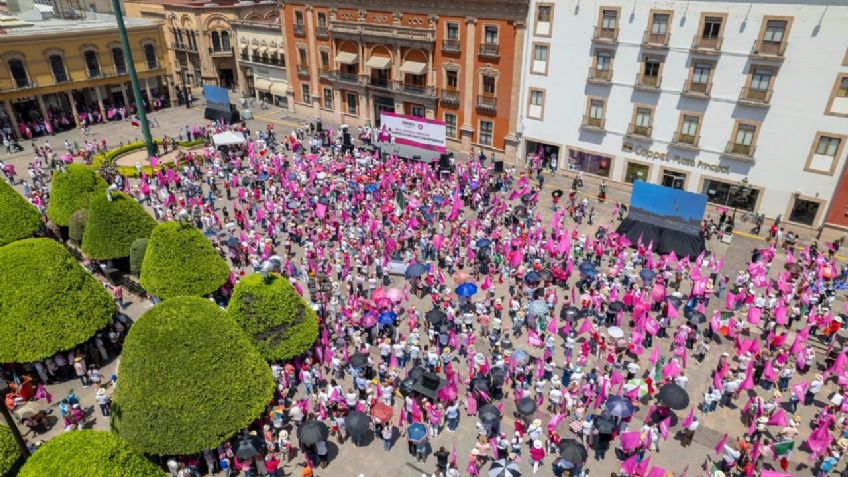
column 142, row 114
column 10, row 421
column 740, row 194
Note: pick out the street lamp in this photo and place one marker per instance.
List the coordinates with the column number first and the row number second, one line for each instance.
column 10, row 421
column 740, row 195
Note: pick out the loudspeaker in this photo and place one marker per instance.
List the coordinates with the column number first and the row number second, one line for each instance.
column 499, row 167
column 346, row 138
column 319, row 126
column 444, row 161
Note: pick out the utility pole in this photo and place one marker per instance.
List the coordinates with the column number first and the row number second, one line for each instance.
column 139, row 102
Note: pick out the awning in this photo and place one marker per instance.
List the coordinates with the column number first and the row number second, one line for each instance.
column 262, row 84
column 413, row 68
column 278, row 88
column 378, row 62
column 227, row 138
column 346, row 58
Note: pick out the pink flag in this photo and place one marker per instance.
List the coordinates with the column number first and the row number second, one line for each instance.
column 819, row 439
column 642, row 467
column 629, row 465
column 586, row 326
column 664, row 425
column 800, row 389
column 754, row 315
column 690, row 418
column 720, row 446
column 672, row 311
column 778, row 418
column 730, row 301
column 656, row 472
column 552, row 328
column 748, row 383
column 630, row 440
column 655, row 355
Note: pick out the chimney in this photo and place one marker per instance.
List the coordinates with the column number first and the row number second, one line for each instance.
column 19, row 6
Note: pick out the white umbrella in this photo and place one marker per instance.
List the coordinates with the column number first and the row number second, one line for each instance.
column 615, row 332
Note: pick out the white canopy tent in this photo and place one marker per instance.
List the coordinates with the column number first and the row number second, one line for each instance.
column 227, row 138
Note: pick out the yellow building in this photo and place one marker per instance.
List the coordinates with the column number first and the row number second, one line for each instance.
column 70, row 67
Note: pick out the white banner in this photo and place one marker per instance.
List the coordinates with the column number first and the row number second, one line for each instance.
column 414, row 131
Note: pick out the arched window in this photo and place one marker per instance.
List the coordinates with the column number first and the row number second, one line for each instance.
column 91, row 64
column 19, row 74
column 118, row 59
column 150, row 56
column 225, row 40
column 57, row 65
column 216, row 41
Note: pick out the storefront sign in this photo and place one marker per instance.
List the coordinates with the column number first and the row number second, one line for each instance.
column 675, row 158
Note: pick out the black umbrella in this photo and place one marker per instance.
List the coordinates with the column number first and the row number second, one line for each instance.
column 532, row 277
column 604, row 425
column 480, row 383
column 557, row 193
column 359, row 360
column 526, row 406
column 311, row 432
column 675, row 301
column 539, row 294
column 357, row 423
column 616, row 306
column 673, row 396
column 696, row 318
column 435, row 317
column 572, row 451
column 570, row 313
column 498, row 374
column 247, row 449
column 619, row 406
column 489, row 415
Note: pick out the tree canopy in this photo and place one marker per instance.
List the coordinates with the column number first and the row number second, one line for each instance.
column 71, row 191
column 18, row 218
column 278, row 320
column 190, row 379
column 180, row 261
column 112, row 226
column 9, row 451
column 48, row 302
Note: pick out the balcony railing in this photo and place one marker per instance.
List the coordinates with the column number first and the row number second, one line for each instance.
column 640, row 131
column 655, row 39
column 415, row 89
column 351, row 78
column 325, row 73
column 755, row 97
column 596, row 124
column 322, row 32
column 299, row 29
column 302, row 70
column 182, row 46
column 490, row 50
column 487, row 103
column 707, row 45
column 697, row 90
column 220, row 52
column 94, row 74
column 379, row 82
column 383, row 31
column 648, row 82
column 450, row 46
column 600, row 76
column 769, row 49
column 740, row 151
column 449, row 96
column 605, row 35
column 686, row 141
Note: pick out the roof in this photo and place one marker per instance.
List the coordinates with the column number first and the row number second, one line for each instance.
column 206, row 3
column 29, row 25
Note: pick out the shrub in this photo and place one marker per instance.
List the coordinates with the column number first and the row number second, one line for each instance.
column 18, row 218
column 88, row 453
column 280, row 322
column 76, row 226
column 190, row 379
column 108, row 157
column 48, row 303
column 71, row 191
column 137, row 249
column 9, row 452
column 113, row 225
column 180, row 261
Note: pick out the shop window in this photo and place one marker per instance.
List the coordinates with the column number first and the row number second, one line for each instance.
column 804, row 211
column 724, row 193
column 589, row 162
column 673, row 179
column 636, row 172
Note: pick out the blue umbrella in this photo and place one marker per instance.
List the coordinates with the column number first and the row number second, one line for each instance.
column 619, row 406
column 438, row 199
column 520, row 356
column 429, row 217
column 587, row 268
column 371, row 188
column 647, row 275
column 415, row 270
column 387, row 318
column 532, row 277
column 483, row 242
column 537, row 308
column 466, row 289
column 416, row 432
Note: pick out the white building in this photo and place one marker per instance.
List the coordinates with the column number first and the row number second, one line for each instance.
column 697, row 95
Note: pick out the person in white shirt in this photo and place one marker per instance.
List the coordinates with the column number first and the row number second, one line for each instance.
column 689, row 432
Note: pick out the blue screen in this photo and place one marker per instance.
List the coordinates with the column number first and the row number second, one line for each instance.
column 216, row 94
column 667, row 206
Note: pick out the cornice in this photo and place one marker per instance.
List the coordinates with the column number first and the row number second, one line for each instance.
column 515, row 10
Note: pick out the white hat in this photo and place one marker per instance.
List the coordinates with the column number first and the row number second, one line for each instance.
column 537, row 444
column 537, row 422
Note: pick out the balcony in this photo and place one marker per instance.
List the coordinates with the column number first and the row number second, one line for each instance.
column 449, row 97
column 692, row 89
column 639, row 132
column 220, row 52
column 325, row 73
column 655, row 40
column 648, row 82
column 121, row 70
column 740, row 151
column 605, row 35
column 487, row 103
column 183, row 46
column 593, row 124
column 349, row 78
column 299, row 29
column 402, row 36
column 415, row 89
column 94, row 74
column 322, row 32
column 490, row 50
column 758, row 98
column 599, row 76
column 302, row 70
column 769, row 50
column 450, row 46
column 686, row 141
column 379, row 82
column 707, row 46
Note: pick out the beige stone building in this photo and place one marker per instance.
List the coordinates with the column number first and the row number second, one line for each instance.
column 262, row 64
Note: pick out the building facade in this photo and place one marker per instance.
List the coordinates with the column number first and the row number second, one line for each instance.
column 261, row 61
column 59, row 70
column 457, row 62
column 200, row 36
column 700, row 95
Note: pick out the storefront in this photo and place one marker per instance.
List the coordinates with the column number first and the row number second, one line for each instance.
column 673, row 178
column 636, row 171
column 546, row 151
column 590, row 162
column 805, row 210
column 724, row 194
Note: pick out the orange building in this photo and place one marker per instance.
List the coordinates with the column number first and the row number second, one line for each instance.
column 350, row 63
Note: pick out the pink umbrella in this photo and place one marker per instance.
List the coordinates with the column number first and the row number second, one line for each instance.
column 394, row 294
column 383, row 302
column 378, row 293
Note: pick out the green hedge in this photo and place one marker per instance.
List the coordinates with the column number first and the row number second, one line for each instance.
column 71, row 191
column 190, row 379
column 48, row 302
column 108, row 157
column 180, row 261
column 88, row 453
column 280, row 322
column 137, row 249
column 9, row 451
column 18, row 218
column 76, row 226
column 112, row 226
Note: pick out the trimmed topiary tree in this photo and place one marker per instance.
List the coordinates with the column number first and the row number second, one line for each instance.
column 9, row 452
column 76, row 226
column 137, row 249
column 113, row 225
column 190, row 379
column 18, row 218
column 48, row 302
column 88, row 453
column 180, row 261
column 280, row 322
column 72, row 191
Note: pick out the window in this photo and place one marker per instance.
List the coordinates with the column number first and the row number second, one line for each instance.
column 712, row 28
column 804, row 211
column 652, row 67
column 828, row 146
column 486, row 130
column 417, row 111
column 596, row 109
column 722, row 193
column 689, row 126
column 643, row 117
column 301, row 56
column 659, row 24
column 536, row 108
column 774, row 31
column 19, row 74
column 825, row 151
column 609, row 19
column 745, row 135
column 216, row 41
column 307, row 96
column 352, row 101
column 451, row 80
column 490, row 35
column 298, row 17
column 57, row 66
column 118, row 60
column 328, row 98
column 543, row 13
column 91, row 64
column 761, row 79
column 150, row 56
column 540, row 59
column 701, row 73
column 452, row 31
column 325, row 59
column 225, row 40
column 673, row 179
column 544, row 16
column 489, row 85
column 842, row 91
column 322, row 19
column 603, row 60
column 450, row 124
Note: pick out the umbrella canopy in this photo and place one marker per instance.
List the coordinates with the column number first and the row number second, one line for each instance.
column 415, row 270
column 696, row 318
column 604, row 425
column 435, row 316
column 673, row 396
column 416, row 431
column 489, row 415
column 619, row 406
column 483, row 242
column 569, row 313
column 532, row 277
column 359, row 360
column 387, row 318
column 588, row 269
column 646, row 274
column 480, row 383
column 357, row 423
column 394, row 294
column 572, row 451
column 382, row 412
column 312, row 431
column 466, row 289
column 675, row 301
column 520, row 356
column 498, row 374
column 616, row 306
column 247, row 449
column 526, row 406
column 537, row 308
column 615, row 332
column 557, row 193
column 504, row 468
